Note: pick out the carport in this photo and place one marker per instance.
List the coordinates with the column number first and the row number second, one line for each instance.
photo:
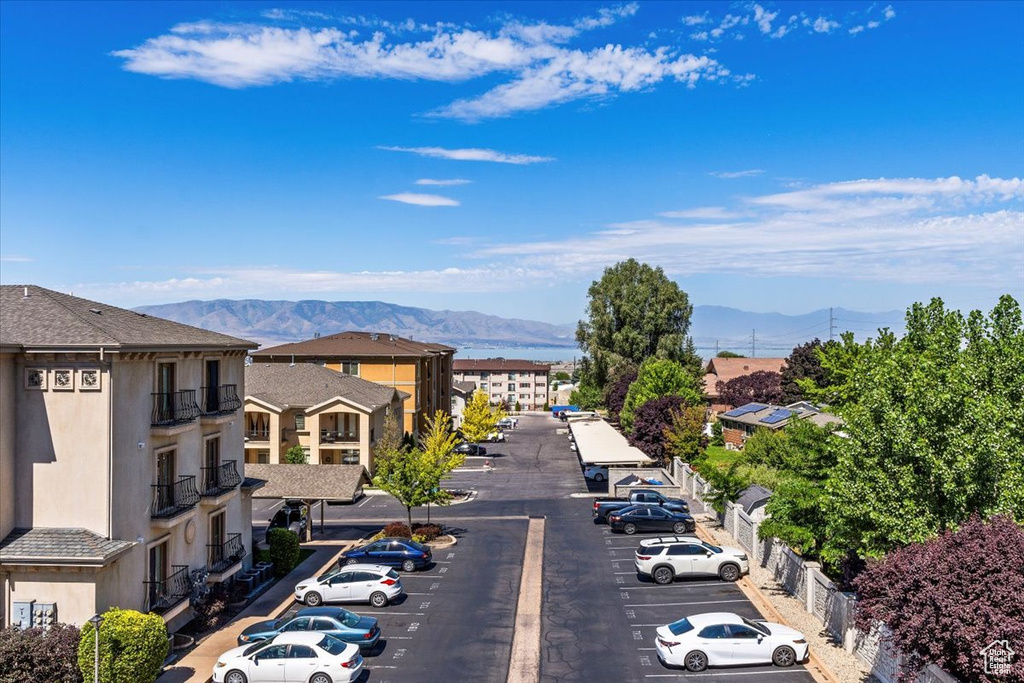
column 598, row 443
column 310, row 483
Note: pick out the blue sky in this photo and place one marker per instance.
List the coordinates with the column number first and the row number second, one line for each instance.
column 497, row 156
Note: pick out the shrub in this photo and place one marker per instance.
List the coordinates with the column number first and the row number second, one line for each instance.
column 35, row 654
column 133, row 647
column 284, row 550
column 295, row 455
column 208, row 614
column 400, row 529
column 426, row 532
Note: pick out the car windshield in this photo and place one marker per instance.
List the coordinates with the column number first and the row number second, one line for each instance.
column 760, row 628
column 680, row 627
column 332, row 645
column 328, row 575
column 713, row 548
column 256, row 646
column 416, row 545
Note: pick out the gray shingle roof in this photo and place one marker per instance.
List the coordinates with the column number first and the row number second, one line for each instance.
column 53, row 545
column 310, row 482
column 357, row 345
column 46, row 318
column 464, row 387
column 306, row 384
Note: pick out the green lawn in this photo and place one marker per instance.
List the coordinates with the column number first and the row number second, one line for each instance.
column 719, row 457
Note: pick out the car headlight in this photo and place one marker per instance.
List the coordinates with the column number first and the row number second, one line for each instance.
column 741, row 557
column 219, row 664
column 301, row 587
column 800, row 641
column 244, row 638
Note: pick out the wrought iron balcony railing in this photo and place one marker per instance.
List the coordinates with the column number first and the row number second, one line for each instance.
column 173, row 499
column 222, row 400
column 222, row 556
column 162, row 596
column 174, row 407
column 257, row 435
column 223, row 477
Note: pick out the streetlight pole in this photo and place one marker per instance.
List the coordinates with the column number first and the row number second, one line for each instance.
column 96, row 621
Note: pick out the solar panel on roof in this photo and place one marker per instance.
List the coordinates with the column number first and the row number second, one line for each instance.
column 743, row 410
column 777, row 416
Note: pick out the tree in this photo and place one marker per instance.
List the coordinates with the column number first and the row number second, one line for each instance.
column 804, row 363
column 43, row 655
column 390, row 439
column 659, row 377
column 562, row 376
column 480, row 418
column 284, row 550
column 634, row 312
column 438, row 443
column 726, row 484
column 684, row 436
column 650, row 423
column 617, row 388
column 838, row 360
column 295, row 455
column 133, row 647
column 948, row 597
column 586, row 396
column 762, row 386
column 729, row 354
column 936, row 432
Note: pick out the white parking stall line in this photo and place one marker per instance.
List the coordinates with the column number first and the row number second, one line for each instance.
column 683, row 604
column 408, row 593
column 398, row 638
column 622, row 547
column 688, row 676
column 406, row 614
column 365, row 501
column 642, row 649
column 679, row 585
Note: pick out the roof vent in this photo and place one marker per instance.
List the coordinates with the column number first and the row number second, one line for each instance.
column 374, row 336
column 96, row 311
column 391, row 337
column 26, row 292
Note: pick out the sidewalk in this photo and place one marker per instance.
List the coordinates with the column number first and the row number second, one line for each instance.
column 197, row 665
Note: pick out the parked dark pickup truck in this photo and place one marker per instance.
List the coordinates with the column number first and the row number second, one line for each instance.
column 602, row 506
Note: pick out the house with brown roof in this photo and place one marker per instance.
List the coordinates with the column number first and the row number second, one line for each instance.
column 121, row 475
column 739, row 424
column 503, row 379
column 422, row 370
column 725, row 369
column 335, row 418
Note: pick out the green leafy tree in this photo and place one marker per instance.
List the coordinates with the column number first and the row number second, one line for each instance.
column 726, row 483
column 295, row 455
column 390, row 439
column 834, row 385
column 729, row 354
column 586, row 396
column 407, row 476
column 804, row 363
column 133, row 647
column 284, row 550
column 684, row 437
column 659, row 377
column 717, row 438
column 936, row 432
column 562, row 376
column 439, row 458
column 634, row 312
column 480, row 418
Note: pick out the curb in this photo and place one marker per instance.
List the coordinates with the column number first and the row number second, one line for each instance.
column 815, row 666
column 448, row 543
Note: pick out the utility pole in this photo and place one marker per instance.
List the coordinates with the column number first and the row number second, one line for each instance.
column 716, row 348
column 753, row 343
column 831, row 325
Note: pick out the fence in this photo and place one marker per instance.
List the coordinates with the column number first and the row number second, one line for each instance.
column 805, row 581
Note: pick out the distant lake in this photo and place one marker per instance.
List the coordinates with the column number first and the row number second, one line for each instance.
column 537, row 353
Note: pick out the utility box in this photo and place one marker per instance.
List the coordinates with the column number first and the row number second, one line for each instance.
column 21, row 615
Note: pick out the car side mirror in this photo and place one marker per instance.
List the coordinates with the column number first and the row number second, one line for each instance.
column 710, row 554
column 330, row 582
column 759, row 639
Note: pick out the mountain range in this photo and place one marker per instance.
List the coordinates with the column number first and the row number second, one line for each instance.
column 713, row 328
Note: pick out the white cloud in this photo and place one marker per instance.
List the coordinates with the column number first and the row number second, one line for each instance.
column 737, row 174
column 711, row 213
column 421, row 199
column 696, row 19
column 855, row 30
column 16, row 259
column 443, row 183
column 764, row 19
column 823, row 25
column 530, row 62
column 471, row 154
column 888, row 12
column 739, row 26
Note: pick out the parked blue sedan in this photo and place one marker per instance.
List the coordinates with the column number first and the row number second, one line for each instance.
column 393, row 552
column 650, row 518
column 338, row 622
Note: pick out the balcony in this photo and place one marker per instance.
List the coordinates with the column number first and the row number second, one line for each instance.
column 338, row 437
column 221, row 557
column 257, row 435
column 172, row 408
column 171, row 500
column 164, row 596
column 220, row 479
column 222, row 400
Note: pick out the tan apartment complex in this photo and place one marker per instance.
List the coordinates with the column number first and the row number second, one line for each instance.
column 421, row 370
column 335, row 418
column 121, row 475
column 515, row 381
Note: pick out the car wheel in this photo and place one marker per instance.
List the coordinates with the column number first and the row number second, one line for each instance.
column 695, row 661
column 351, row 560
column 629, row 529
column 313, row 599
column 235, row 677
column 783, row 656
column 378, row 600
column 408, row 566
column 679, row 527
column 729, row 572
column 598, row 478
column 663, row 575
column 320, row 678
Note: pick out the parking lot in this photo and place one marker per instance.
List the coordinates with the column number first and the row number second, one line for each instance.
column 598, row 618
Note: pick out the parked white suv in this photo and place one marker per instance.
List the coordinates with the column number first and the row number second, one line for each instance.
column 668, row 557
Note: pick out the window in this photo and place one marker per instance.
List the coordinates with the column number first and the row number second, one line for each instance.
column 524, row 385
column 714, row 631
column 350, row 456
column 511, row 375
column 157, row 565
column 212, row 456
column 511, row 386
column 687, row 549
column 738, row 631
column 301, row 652
column 263, row 457
column 323, row 624
column 484, row 375
column 483, row 385
column 300, row 422
column 217, row 535
column 350, row 368
column 273, row 652
column 165, row 467
column 300, row 624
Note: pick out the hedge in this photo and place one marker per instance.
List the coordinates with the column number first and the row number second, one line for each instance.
column 284, row 550
column 133, row 647
column 35, row 654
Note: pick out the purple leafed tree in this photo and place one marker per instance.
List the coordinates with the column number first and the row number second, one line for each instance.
column 947, row 599
column 763, row 386
column 650, row 422
column 616, row 397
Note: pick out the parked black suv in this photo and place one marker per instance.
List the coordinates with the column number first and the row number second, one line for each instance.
column 291, row 517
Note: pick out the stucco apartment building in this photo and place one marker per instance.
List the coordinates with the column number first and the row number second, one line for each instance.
column 333, row 417
column 503, row 379
column 121, row 476
column 422, row 370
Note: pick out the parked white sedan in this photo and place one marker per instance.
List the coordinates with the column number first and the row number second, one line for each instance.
column 726, row 639
column 372, row 583
column 291, row 658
